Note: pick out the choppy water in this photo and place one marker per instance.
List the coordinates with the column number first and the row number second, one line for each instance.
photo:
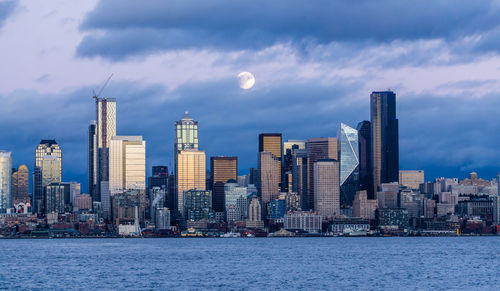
column 252, row 263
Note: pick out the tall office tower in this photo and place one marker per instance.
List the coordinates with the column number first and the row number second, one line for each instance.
column 223, row 169
column 105, row 130
column 47, row 170
column 159, row 179
column 92, row 174
column 71, row 190
column 365, row 158
column 191, row 174
column 254, row 176
column 413, row 179
column 271, row 142
column 5, row 181
column 198, row 205
column 254, row 213
column 186, row 138
column 288, row 146
column 385, row 144
column 327, row 187
column 236, row 203
column 299, row 177
column 21, row 185
column 269, row 179
column 349, row 164
column 318, row 149
column 127, row 164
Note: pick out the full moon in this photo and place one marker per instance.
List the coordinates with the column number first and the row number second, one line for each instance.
column 246, row 80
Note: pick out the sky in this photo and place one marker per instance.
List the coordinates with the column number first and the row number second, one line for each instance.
column 315, row 64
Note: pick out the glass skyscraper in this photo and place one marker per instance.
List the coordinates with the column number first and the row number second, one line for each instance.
column 5, row 181
column 47, row 170
column 365, row 158
column 127, row 164
column 385, row 138
column 349, row 163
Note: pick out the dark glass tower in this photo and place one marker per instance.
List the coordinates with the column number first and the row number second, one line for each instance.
column 92, row 161
column 384, row 135
column 365, row 158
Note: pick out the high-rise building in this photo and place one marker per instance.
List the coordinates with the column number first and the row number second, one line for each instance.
column 21, row 185
column 186, row 133
column 299, row 177
column 198, row 205
column 105, row 130
column 385, row 138
column 71, row 190
column 327, row 188
column 365, row 158
column 254, row 213
column 272, row 142
column 269, row 179
column 54, row 198
column 92, row 161
column 288, row 147
column 349, row 164
column 412, row 179
column 127, row 164
column 223, row 169
column 318, row 149
column 5, row 181
column 47, row 170
column 191, row 174
column 364, row 207
column 159, row 179
column 235, row 201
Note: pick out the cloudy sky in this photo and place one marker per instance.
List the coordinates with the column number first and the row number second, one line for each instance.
column 315, row 63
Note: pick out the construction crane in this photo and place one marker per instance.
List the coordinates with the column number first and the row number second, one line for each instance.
column 96, row 96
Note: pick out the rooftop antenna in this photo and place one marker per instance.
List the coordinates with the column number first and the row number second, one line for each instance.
column 96, row 96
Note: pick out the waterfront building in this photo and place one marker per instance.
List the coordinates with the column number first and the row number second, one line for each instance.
column 318, row 149
column 20, row 185
column 47, row 170
column 127, row 164
column 198, row 205
column 302, row 220
column 411, row 201
column 392, row 219
column 277, row 209
column 364, row 207
column 254, row 213
column 158, row 197
column 349, row 164
column 269, row 177
column 5, row 181
column 412, row 179
column 480, row 207
column 327, row 188
column 235, row 198
column 385, row 138
column 191, row 174
column 365, row 158
column 223, row 169
column 162, row 220
column 128, row 205
column 350, row 226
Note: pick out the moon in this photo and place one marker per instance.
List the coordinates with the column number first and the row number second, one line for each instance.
column 246, row 80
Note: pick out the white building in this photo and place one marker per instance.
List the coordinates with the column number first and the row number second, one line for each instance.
column 235, row 198
column 307, row 221
column 127, row 164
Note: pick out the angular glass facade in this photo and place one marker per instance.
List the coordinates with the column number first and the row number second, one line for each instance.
column 349, row 163
column 5, row 181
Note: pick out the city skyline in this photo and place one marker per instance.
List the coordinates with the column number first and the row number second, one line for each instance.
column 439, row 97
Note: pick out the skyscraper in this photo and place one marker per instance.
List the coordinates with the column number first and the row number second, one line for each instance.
column 5, row 181
column 105, row 130
column 222, row 169
column 127, row 164
column 92, row 162
column 365, row 158
column 272, row 142
column 327, row 187
column 191, row 174
column 384, row 133
column 20, row 185
column 47, row 170
column 349, row 163
column 268, row 177
column 319, row 149
column 299, row 177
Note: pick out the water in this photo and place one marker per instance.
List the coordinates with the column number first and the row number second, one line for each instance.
column 252, row 263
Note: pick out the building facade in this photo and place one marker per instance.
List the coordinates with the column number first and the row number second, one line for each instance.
column 127, row 164
column 47, row 170
column 385, row 138
column 349, row 164
column 20, row 185
column 327, row 188
column 5, row 181
column 412, row 179
column 269, row 178
column 272, row 142
column 365, row 158
column 191, row 174
column 222, row 169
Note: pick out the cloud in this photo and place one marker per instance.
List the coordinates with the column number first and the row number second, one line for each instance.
column 119, row 29
column 6, row 10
